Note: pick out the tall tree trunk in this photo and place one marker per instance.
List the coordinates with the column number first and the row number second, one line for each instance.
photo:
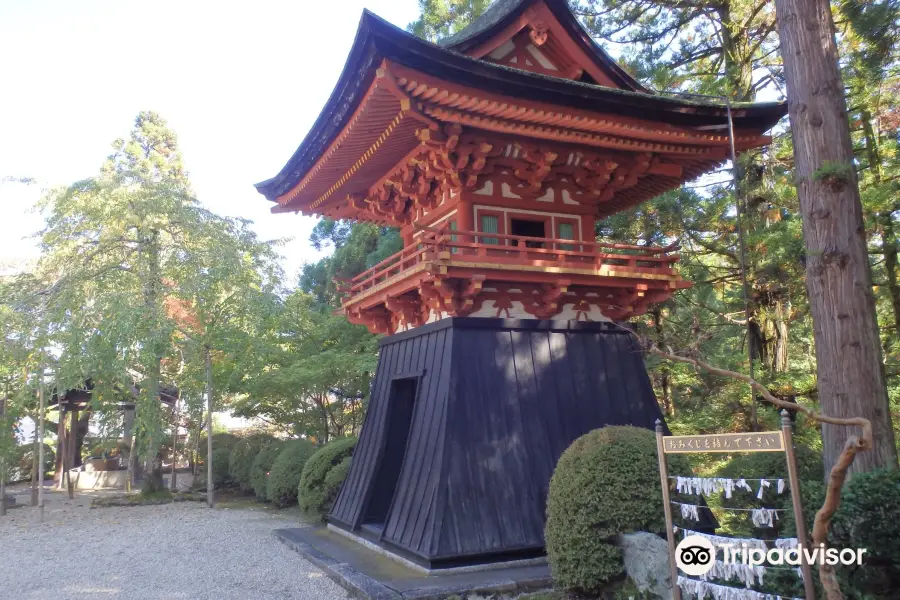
column 153, row 480
column 780, row 350
column 889, row 247
column 60, row 450
column 885, row 218
column 838, row 278
column 664, row 386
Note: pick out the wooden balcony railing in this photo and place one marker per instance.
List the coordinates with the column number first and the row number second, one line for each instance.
column 500, row 249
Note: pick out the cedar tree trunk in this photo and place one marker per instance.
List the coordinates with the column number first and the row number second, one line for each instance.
column 838, row 277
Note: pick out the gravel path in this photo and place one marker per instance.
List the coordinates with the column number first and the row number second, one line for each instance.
column 172, row 551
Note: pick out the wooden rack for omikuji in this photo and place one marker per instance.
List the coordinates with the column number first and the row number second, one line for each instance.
column 764, row 441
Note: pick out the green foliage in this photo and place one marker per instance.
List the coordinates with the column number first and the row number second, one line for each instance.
column 23, row 463
column 323, row 476
column 834, row 174
column 220, row 441
column 221, row 476
column 769, row 465
column 284, row 477
column 262, row 464
column 689, row 45
column 357, row 247
column 441, row 18
column 606, row 483
column 869, row 517
column 313, row 372
column 241, row 459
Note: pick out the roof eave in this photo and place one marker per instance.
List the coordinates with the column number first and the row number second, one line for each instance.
column 377, row 39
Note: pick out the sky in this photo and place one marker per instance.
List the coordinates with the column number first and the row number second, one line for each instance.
column 240, row 83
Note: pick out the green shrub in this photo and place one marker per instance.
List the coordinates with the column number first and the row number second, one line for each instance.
column 24, row 461
column 771, row 466
column 221, row 478
column 284, row 476
column 219, row 440
column 606, row 483
column 323, row 476
column 262, row 464
column 243, row 453
column 869, row 517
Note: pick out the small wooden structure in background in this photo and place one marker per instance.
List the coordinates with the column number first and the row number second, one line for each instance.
column 74, row 414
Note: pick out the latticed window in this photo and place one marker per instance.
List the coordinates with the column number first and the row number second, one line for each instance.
column 453, row 236
column 489, row 224
column 566, row 232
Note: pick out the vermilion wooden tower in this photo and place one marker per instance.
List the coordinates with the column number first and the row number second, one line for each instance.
column 495, row 153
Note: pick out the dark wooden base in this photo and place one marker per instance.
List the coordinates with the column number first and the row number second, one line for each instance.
column 466, row 421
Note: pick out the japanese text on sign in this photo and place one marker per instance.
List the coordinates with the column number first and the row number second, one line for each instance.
column 766, row 441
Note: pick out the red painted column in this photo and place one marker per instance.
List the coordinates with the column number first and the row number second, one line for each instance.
column 588, row 230
column 465, row 218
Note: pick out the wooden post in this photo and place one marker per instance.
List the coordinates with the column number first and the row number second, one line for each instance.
column 71, row 445
column 210, row 493
column 41, row 447
column 2, row 457
column 802, row 539
column 173, row 482
column 60, row 444
column 667, row 507
column 588, row 232
column 465, row 217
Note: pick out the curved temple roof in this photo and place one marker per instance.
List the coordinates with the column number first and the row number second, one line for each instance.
column 377, row 41
column 502, row 13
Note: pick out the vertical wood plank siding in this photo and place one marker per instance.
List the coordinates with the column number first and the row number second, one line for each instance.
column 498, row 402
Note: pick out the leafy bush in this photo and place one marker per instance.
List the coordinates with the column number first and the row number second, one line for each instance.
column 23, row 462
column 243, row 453
column 770, row 465
column 606, row 483
column 221, row 478
column 869, row 517
column 284, row 476
column 262, row 464
column 323, row 476
column 219, row 440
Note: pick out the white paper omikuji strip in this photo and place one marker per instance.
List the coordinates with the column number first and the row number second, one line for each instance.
column 764, row 517
column 746, row 574
column 703, row 589
column 689, row 511
column 737, row 543
column 708, row 486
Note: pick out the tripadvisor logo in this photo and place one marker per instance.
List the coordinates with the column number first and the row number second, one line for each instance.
column 696, row 555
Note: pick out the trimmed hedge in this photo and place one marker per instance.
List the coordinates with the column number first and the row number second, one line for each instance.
column 221, row 478
column 219, row 440
column 262, row 464
column 606, row 483
column 323, row 476
column 869, row 517
column 284, row 476
column 243, row 453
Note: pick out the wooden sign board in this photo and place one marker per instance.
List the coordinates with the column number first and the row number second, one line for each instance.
column 763, row 441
